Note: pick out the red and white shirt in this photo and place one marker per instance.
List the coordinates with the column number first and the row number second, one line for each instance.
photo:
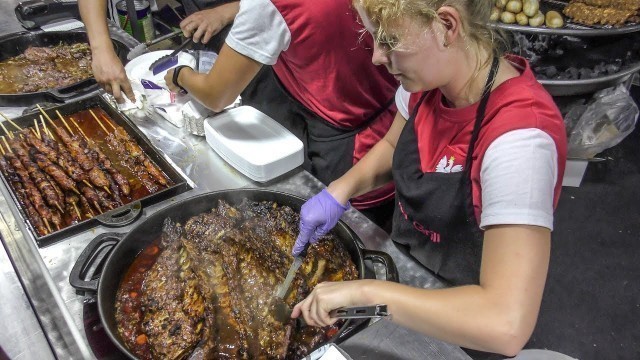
column 519, row 158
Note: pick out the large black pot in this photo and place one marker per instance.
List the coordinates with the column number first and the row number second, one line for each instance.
column 16, row 43
column 129, row 245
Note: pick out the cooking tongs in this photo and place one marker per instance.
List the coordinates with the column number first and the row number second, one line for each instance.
column 360, row 312
column 144, row 47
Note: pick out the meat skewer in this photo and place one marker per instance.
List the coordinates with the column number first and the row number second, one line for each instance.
column 14, row 179
column 36, row 174
column 92, row 196
column 137, row 153
column 64, row 159
column 123, row 143
column 71, row 199
column 96, row 175
column 31, row 190
column 123, row 183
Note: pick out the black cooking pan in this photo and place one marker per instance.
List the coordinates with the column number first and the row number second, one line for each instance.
column 125, row 247
column 15, row 44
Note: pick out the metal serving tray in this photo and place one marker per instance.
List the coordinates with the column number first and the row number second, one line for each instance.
column 569, row 28
column 126, row 213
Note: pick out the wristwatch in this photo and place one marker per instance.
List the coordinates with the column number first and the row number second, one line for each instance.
column 174, row 79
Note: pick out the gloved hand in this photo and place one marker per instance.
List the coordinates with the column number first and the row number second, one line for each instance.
column 317, row 217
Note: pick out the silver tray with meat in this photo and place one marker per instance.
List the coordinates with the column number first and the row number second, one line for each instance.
column 79, row 165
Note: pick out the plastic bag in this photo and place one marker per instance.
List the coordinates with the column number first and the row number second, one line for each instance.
column 608, row 118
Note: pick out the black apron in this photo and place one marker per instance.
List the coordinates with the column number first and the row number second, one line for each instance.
column 434, row 214
column 328, row 149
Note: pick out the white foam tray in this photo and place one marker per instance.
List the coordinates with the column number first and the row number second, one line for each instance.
column 253, row 143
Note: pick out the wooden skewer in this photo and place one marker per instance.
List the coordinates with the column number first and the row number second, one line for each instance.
column 44, row 113
column 64, row 122
column 98, row 120
column 44, row 125
column 108, row 121
column 75, row 207
column 37, row 129
column 79, row 129
column 7, row 144
column 6, row 131
column 11, row 121
column 47, row 224
column 59, row 208
column 87, row 183
column 97, row 207
column 2, row 149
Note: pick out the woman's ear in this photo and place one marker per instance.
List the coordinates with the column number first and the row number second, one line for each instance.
column 451, row 23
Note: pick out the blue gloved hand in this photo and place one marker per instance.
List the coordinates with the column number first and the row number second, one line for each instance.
column 317, row 217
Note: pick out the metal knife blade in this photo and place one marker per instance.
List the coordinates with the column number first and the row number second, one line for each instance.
column 295, row 265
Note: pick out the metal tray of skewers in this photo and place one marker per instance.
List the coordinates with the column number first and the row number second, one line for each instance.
column 79, row 165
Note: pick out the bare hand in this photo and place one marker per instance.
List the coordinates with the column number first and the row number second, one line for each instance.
column 202, row 25
column 325, row 297
column 109, row 72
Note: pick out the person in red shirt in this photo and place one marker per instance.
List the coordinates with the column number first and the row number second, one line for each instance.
column 304, row 64
column 477, row 153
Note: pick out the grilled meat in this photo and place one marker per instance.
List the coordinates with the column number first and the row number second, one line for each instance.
column 174, row 308
column 42, row 68
column 583, row 13
column 235, row 257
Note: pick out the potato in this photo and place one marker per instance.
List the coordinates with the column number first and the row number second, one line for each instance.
column 514, row 6
column 537, row 20
column 522, row 19
column 495, row 14
column 507, row 17
column 530, row 7
column 553, row 19
column 500, row 4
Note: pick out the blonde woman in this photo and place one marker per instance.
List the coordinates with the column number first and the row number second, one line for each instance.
column 477, row 153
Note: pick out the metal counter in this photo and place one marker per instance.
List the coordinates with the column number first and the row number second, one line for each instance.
column 51, row 325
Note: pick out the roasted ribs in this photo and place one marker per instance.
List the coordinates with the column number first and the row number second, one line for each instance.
column 217, row 280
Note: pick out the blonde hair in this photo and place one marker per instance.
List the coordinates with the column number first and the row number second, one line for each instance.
column 474, row 14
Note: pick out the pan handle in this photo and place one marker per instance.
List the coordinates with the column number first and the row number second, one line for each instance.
column 92, row 258
column 386, row 260
column 124, row 216
column 12, row 36
column 76, row 90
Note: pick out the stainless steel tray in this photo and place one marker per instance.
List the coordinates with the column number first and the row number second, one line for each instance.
column 588, row 86
column 570, row 29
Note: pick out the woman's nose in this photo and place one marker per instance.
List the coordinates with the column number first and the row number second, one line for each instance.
column 380, row 55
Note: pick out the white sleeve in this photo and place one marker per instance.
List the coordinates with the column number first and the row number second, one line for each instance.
column 518, row 176
column 259, row 31
column 402, row 102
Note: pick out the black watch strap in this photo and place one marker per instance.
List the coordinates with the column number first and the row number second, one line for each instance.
column 174, row 79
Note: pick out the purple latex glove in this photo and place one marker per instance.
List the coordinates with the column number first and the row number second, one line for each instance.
column 317, row 217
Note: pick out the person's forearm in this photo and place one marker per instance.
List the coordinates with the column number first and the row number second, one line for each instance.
column 373, row 170
column 461, row 315
column 93, row 14
column 219, row 88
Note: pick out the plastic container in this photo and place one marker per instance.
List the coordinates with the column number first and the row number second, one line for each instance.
column 253, row 143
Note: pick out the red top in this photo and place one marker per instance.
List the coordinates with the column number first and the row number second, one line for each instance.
column 327, row 67
column 518, row 103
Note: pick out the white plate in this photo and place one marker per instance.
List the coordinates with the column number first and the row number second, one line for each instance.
column 253, row 143
column 138, row 68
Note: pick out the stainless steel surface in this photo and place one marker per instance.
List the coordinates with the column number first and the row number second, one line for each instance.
column 18, row 318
